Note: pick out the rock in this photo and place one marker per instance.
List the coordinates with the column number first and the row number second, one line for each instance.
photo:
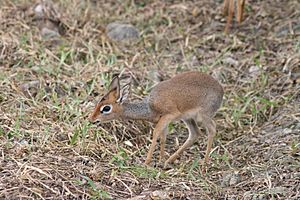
column 231, row 179
column 30, row 84
column 46, row 10
column 48, row 19
column 254, row 71
column 48, row 33
column 159, row 195
column 122, row 32
column 31, row 88
column 38, row 11
column 231, row 61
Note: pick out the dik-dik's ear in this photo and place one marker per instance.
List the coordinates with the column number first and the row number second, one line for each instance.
column 114, row 88
column 124, row 93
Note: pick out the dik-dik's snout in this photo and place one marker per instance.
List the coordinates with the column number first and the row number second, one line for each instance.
column 93, row 117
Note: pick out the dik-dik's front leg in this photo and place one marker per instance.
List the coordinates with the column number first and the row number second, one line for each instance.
column 159, row 130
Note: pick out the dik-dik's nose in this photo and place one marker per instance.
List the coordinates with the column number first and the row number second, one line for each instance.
column 93, row 117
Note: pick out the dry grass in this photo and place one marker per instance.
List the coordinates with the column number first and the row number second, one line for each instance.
column 47, row 88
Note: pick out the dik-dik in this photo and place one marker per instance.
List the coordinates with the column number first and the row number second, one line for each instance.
column 189, row 96
column 229, row 11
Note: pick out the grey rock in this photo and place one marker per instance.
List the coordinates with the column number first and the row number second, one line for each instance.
column 48, row 33
column 231, row 179
column 122, row 32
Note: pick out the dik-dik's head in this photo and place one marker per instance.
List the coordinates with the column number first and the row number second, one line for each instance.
column 110, row 105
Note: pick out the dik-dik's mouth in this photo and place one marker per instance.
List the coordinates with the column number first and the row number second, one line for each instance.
column 93, row 117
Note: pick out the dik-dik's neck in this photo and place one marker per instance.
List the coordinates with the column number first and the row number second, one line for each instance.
column 138, row 110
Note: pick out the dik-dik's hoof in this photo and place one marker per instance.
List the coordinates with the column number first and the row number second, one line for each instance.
column 206, row 161
column 147, row 162
column 203, row 164
column 167, row 165
column 161, row 159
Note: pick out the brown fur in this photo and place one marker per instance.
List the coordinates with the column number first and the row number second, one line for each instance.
column 229, row 11
column 188, row 96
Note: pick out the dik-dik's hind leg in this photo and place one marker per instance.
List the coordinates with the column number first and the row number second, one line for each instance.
column 240, row 10
column 194, row 133
column 159, row 129
column 230, row 15
column 163, row 138
column 211, row 131
column 225, row 8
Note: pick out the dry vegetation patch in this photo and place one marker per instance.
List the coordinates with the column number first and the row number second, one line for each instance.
column 54, row 66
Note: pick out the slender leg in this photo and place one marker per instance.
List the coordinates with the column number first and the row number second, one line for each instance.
column 225, row 9
column 194, row 133
column 163, row 138
column 230, row 15
column 211, row 131
column 158, row 131
column 240, row 10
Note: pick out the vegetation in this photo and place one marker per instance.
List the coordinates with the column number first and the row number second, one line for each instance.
column 48, row 87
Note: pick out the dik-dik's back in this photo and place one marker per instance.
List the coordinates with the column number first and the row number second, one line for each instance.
column 188, row 97
column 187, row 92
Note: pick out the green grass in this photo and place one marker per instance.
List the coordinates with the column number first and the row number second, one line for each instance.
column 97, row 193
column 45, row 129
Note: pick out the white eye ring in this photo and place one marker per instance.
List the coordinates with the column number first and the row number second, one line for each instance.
column 106, row 109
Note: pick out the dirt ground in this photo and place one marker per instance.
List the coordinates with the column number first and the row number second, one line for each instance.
column 50, row 80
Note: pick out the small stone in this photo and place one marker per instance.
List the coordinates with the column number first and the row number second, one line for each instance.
column 46, row 9
column 159, row 195
column 38, row 10
column 31, row 88
column 48, row 33
column 121, row 32
column 23, row 142
column 231, row 179
column 48, row 19
column 30, row 84
column 231, row 61
column 254, row 71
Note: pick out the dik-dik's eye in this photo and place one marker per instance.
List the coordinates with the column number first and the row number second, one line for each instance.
column 105, row 109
